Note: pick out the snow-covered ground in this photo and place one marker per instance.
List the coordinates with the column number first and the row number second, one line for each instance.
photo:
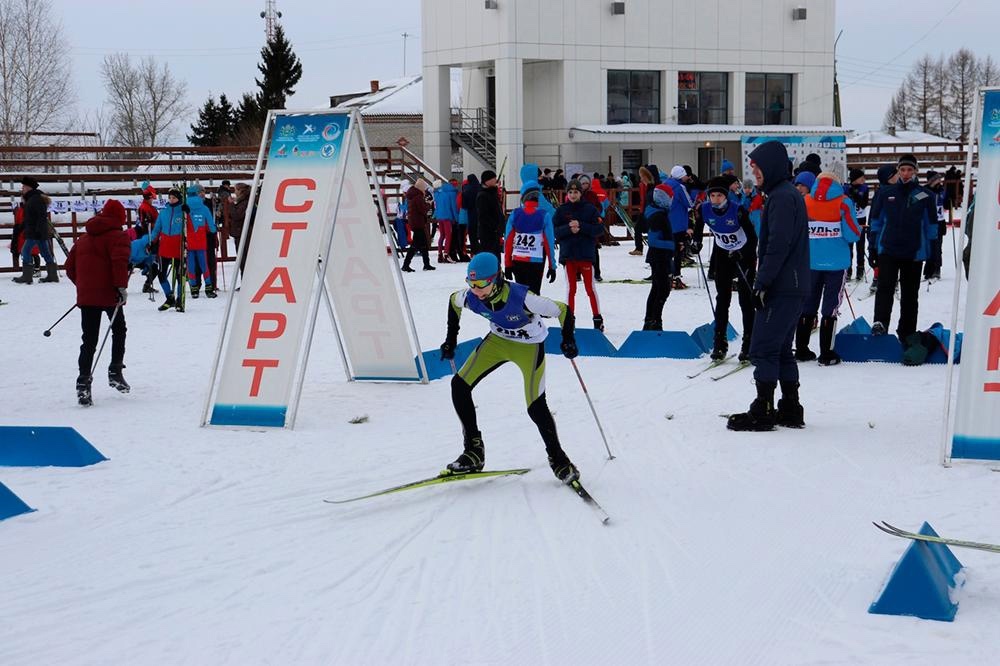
column 207, row 546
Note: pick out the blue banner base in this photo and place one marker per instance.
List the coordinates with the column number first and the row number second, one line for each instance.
column 45, row 446
column 856, row 344
column 436, row 368
column 975, row 448
column 249, row 415
column 943, row 335
column 704, row 336
column 589, row 342
column 10, row 504
column 921, row 582
column 659, row 344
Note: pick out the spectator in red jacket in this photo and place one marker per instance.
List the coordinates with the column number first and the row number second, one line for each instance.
column 98, row 266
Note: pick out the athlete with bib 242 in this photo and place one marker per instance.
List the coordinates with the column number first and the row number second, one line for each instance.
column 517, row 334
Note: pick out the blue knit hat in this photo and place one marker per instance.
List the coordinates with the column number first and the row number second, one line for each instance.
column 483, row 266
column 806, row 178
column 727, row 165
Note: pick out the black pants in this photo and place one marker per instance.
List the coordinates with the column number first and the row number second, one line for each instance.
column 773, row 337
column 418, row 243
column 248, row 230
column 726, row 272
column 492, row 245
column 638, row 227
column 858, row 249
column 907, row 273
column 529, row 274
column 211, row 247
column 597, row 262
column 458, row 236
column 90, row 322
column 659, row 290
column 680, row 243
column 933, row 265
column 474, row 235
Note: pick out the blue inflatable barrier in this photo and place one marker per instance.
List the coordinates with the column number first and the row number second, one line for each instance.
column 437, row 368
column 704, row 336
column 855, row 343
column 589, row 342
column 41, row 446
column 659, row 344
column 921, row 583
column 10, row 504
column 943, row 335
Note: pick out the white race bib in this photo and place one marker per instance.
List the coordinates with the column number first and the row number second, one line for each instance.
column 731, row 242
column 820, row 229
column 528, row 245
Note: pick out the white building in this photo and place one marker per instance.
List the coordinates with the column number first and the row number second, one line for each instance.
column 603, row 84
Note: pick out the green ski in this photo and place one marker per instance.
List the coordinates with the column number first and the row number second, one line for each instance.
column 444, row 477
column 895, row 531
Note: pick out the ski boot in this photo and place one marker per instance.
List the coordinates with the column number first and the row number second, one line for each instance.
column 148, row 288
column 472, row 458
column 429, row 267
column 167, row 304
column 720, row 347
column 802, row 333
column 195, row 292
column 210, row 291
column 878, row 328
column 874, row 286
column 678, row 283
column 761, row 416
column 116, row 379
column 83, row 396
column 599, row 323
column 744, row 356
column 790, row 412
column 826, row 354
column 564, row 470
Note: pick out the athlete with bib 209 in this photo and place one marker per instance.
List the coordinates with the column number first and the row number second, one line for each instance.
column 735, row 258
column 517, row 334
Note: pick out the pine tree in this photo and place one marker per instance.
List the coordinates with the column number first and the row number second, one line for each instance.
column 281, row 70
column 226, row 120
column 206, row 131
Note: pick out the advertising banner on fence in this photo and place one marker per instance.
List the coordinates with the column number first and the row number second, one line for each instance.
column 257, row 378
column 977, row 413
column 832, row 150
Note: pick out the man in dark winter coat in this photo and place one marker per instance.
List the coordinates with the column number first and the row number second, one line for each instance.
column 98, row 266
column 780, row 287
column 417, row 218
column 857, row 191
column 470, row 193
column 36, row 232
column 489, row 213
column 904, row 222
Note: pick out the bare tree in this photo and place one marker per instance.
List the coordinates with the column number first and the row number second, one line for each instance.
column 921, row 93
column 35, row 91
column 146, row 100
column 896, row 116
column 989, row 72
column 942, row 108
column 963, row 76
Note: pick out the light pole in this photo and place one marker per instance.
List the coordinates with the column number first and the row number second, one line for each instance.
column 405, row 35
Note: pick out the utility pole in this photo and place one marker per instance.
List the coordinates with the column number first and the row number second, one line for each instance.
column 836, row 86
column 405, row 35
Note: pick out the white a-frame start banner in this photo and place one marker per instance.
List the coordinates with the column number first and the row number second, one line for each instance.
column 315, row 237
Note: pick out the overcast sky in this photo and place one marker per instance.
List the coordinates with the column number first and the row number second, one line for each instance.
column 214, row 45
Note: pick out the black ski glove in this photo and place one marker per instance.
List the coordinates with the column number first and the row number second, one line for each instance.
column 568, row 348
column 447, row 350
column 551, row 274
column 759, row 296
column 185, row 208
column 508, row 273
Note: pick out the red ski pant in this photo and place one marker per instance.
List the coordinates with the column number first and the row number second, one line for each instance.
column 584, row 269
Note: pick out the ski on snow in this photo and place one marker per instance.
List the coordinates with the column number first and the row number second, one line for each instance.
column 895, row 531
column 711, row 366
column 585, row 496
column 743, row 365
column 444, row 477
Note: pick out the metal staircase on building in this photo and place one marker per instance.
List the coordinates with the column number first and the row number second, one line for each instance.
column 475, row 130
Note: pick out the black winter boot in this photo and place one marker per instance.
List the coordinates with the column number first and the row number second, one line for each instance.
column 116, row 379
column 27, row 275
column 564, row 470
column 472, row 458
column 761, row 415
column 826, row 354
column 83, row 391
column 720, row 346
column 51, row 273
column 599, row 323
column 802, row 333
column 790, row 412
column 744, row 356
column 210, row 291
column 167, row 304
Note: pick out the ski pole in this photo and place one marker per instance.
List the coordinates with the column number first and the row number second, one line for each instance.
column 105, row 340
column 592, row 410
column 453, row 369
column 47, row 332
column 849, row 304
column 708, row 291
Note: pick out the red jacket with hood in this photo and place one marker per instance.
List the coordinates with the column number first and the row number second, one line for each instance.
column 98, row 261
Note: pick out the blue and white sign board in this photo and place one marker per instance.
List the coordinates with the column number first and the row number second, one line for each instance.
column 832, row 150
column 316, row 235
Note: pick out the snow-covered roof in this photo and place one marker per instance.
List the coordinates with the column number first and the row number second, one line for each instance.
column 902, row 136
column 404, row 96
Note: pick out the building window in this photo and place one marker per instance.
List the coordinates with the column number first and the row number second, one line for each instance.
column 633, row 96
column 702, row 98
column 769, row 99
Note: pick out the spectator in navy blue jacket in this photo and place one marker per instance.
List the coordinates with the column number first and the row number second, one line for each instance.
column 904, row 222
column 577, row 228
column 781, row 285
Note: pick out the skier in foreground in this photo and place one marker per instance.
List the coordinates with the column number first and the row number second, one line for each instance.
column 521, row 340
